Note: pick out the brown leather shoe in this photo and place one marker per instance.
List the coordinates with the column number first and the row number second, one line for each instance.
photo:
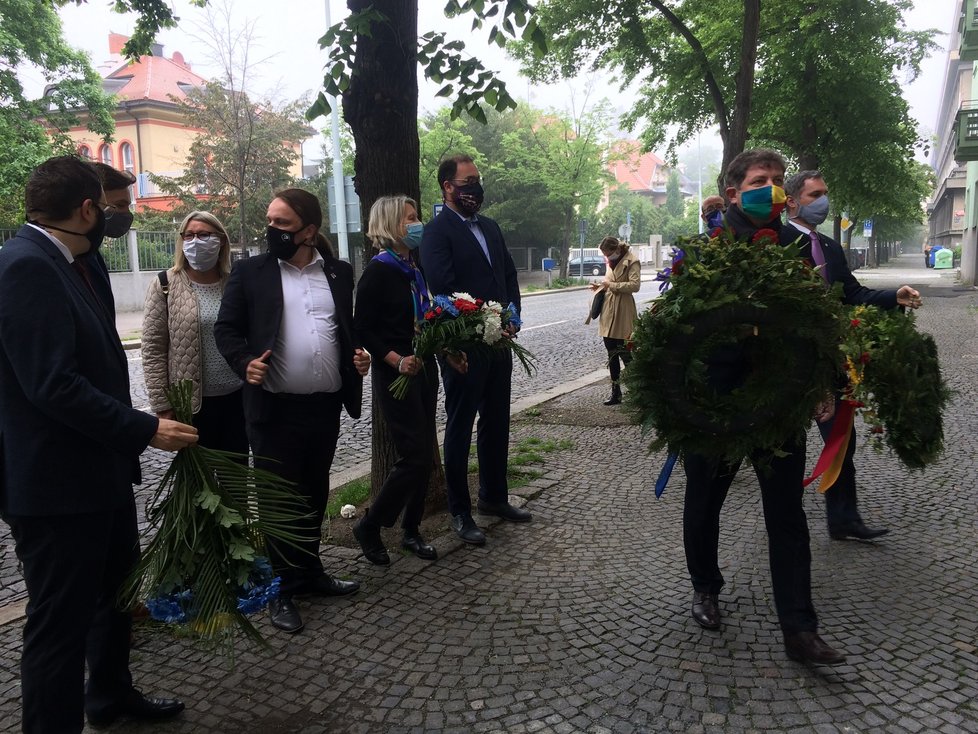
column 706, row 610
column 807, row 647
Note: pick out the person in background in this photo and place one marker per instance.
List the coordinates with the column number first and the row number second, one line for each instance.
column 808, row 206
column 286, row 328
column 178, row 342
column 392, row 298
column 623, row 278
column 464, row 252
column 118, row 221
column 69, row 455
column 712, row 211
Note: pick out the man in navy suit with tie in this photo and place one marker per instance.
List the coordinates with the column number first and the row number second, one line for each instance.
column 462, row 252
column 808, row 205
column 69, row 452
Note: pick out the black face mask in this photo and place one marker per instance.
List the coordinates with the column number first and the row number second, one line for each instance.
column 94, row 236
column 116, row 225
column 468, row 198
column 280, row 243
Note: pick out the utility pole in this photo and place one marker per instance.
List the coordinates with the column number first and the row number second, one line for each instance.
column 339, row 188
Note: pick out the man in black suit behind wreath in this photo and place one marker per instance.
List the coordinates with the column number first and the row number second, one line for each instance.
column 462, row 252
column 69, row 454
column 807, row 203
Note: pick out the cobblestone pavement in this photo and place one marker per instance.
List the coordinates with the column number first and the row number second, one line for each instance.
column 578, row 622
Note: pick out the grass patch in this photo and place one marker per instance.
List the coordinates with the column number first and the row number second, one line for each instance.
column 523, row 457
column 532, row 412
column 568, row 282
column 353, row 493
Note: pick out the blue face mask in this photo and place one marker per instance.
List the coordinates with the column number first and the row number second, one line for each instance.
column 816, row 212
column 413, row 237
column 715, row 219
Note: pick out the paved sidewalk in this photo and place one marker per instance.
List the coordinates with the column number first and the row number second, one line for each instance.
column 578, row 622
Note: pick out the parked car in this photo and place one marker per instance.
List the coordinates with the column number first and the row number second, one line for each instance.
column 592, row 266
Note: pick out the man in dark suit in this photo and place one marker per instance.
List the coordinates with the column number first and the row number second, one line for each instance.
column 464, row 252
column 808, row 205
column 754, row 180
column 69, row 453
column 286, row 327
column 118, row 221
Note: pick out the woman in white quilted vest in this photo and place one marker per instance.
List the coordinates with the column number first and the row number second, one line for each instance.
column 178, row 334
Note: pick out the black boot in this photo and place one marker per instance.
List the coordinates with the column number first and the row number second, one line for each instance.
column 615, row 398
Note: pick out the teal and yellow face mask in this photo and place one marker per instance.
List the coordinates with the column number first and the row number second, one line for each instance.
column 763, row 204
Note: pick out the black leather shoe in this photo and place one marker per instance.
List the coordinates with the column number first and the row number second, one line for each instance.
column 328, row 586
column 285, row 615
column 415, row 543
column 808, row 647
column 465, row 527
column 705, row 610
column 372, row 545
column 857, row 531
column 137, row 706
column 504, row 510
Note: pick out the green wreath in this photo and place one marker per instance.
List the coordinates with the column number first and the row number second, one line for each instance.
column 735, row 356
column 895, row 378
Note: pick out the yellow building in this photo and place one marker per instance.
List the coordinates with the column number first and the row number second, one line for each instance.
column 151, row 133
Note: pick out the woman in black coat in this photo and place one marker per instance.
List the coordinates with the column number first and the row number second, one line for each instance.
column 391, row 301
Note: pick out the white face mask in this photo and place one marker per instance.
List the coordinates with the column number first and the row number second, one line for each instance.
column 202, row 252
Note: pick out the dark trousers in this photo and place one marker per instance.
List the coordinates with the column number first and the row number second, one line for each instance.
column 221, row 423
column 841, row 507
column 484, row 391
column 297, row 441
column 411, row 423
column 707, row 482
column 617, row 354
column 74, row 567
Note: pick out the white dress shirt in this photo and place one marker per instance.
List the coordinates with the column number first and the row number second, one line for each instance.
column 306, row 355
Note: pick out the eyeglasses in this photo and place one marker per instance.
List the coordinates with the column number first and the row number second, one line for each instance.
column 187, row 236
column 470, row 181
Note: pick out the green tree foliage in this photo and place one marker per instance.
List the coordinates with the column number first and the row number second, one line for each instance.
column 441, row 135
column 242, row 156
column 825, row 92
column 694, row 60
column 30, row 35
column 674, row 197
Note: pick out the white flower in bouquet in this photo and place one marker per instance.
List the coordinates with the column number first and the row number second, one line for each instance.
column 492, row 327
column 493, row 307
column 348, row 511
column 463, row 296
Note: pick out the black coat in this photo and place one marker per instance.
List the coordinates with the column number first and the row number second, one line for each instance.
column 837, row 269
column 251, row 315
column 453, row 261
column 69, row 437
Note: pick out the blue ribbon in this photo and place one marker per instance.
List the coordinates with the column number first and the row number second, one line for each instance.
column 660, row 483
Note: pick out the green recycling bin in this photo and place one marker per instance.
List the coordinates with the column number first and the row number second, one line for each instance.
column 944, row 259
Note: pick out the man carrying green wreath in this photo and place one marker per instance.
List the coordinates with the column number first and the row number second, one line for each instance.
column 754, row 181
column 807, row 207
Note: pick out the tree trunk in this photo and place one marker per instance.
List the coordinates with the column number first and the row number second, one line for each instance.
column 565, row 246
column 381, row 108
column 736, row 138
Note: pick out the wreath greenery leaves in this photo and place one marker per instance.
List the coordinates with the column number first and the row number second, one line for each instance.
column 895, row 378
column 737, row 353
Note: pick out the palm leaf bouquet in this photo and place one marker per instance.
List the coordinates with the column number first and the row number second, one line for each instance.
column 461, row 323
column 205, row 569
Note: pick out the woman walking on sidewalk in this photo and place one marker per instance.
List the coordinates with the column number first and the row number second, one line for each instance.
column 623, row 278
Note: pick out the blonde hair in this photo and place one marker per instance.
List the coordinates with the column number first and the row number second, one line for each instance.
column 223, row 257
column 384, row 225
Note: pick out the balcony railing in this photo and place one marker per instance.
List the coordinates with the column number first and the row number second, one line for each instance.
column 968, row 28
column 966, row 137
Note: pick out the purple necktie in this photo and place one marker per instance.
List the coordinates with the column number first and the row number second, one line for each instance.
column 818, row 257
